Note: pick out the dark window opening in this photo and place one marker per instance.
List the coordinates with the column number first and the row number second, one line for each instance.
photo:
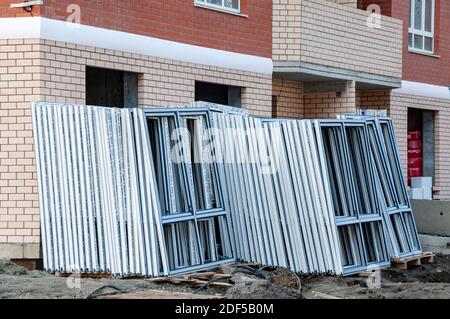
column 111, row 88
column 218, row 93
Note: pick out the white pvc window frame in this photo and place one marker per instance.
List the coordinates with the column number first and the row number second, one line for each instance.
column 421, row 32
column 222, row 7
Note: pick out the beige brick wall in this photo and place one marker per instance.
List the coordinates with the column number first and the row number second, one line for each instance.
column 350, row 3
column 20, row 83
column 289, row 97
column 286, row 30
column 330, row 104
column 294, row 103
column 373, row 99
column 41, row 70
column 326, row 33
column 399, row 113
column 161, row 83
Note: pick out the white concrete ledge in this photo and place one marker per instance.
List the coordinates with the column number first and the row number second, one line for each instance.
column 434, row 241
column 27, row 4
column 49, row 29
column 424, row 89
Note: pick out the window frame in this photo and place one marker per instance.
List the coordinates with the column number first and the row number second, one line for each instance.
column 195, row 215
column 413, row 31
column 222, row 7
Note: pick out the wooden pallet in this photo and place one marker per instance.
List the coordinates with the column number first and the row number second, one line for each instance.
column 83, row 275
column 414, row 261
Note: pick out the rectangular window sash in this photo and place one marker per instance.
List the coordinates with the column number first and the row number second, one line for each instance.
column 421, row 25
column 229, row 5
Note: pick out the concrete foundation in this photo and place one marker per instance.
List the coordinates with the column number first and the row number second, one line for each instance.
column 432, row 217
column 20, row 251
column 436, row 244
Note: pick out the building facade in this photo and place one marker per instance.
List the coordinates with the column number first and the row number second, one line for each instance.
column 423, row 101
column 281, row 58
column 333, row 57
column 144, row 53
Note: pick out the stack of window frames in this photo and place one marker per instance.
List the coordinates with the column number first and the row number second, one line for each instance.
column 400, row 228
column 281, row 214
column 318, row 208
column 110, row 205
column 164, row 191
column 357, row 211
column 97, row 200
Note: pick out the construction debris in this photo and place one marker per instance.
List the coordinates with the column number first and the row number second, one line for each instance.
column 202, row 279
column 7, row 267
column 261, row 289
column 425, row 281
column 159, row 294
column 160, row 191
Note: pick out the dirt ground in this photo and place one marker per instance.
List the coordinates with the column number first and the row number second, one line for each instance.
column 423, row 282
column 426, row 281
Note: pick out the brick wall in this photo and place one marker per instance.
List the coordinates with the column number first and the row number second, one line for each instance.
column 286, row 26
column 419, row 67
column 399, row 113
column 292, row 102
column 42, row 70
column 161, row 82
column 373, row 99
column 423, row 68
column 350, row 3
column 385, row 5
column 328, row 105
column 176, row 20
column 289, row 98
column 325, row 33
column 20, row 83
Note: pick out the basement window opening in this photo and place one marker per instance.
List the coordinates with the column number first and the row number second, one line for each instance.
column 218, row 93
column 111, row 88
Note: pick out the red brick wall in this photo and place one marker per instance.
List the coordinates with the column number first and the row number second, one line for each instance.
column 385, row 5
column 422, row 68
column 177, row 20
column 7, row 12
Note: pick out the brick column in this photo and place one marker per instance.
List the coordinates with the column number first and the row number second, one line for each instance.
column 330, row 104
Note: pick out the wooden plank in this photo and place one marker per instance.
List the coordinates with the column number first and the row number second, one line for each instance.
column 222, row 276
column 249, row 264
column 400, row 265
column 83, row 275
column 202, row 274
column 159, row 294
column 415, row 262
column 429, row 259
column 213, row 283
column 201, row 278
